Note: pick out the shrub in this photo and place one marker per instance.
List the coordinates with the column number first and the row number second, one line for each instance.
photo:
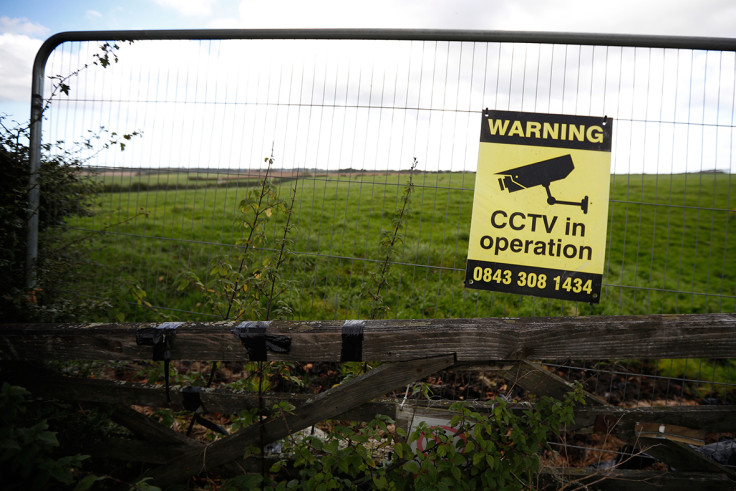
column 495, row 447
column 64, row 192
column 27, row 447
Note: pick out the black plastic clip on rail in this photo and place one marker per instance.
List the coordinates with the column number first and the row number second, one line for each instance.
column 352, row 341
column 160, row 338
column 192, row 401
column 258, row 342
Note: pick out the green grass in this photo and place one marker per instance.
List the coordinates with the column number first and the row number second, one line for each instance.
column 716, row 377
column 671, row 246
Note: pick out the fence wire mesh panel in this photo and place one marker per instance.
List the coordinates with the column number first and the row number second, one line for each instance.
column 371, row 148
column 343, row 121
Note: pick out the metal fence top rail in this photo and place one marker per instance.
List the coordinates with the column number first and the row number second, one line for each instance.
column 624, row 40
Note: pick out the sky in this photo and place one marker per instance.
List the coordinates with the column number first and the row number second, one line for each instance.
column 24, row 25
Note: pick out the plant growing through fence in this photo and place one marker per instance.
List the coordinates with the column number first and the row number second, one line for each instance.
column 497, row 449
column 251, row 288
column 494, row 447
column 390, row 239
column 375, row 288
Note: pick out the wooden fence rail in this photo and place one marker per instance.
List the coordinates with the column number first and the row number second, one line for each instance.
column 469, row 340
column 413, row 349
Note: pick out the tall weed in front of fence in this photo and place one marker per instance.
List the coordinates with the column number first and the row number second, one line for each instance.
column 250, row 285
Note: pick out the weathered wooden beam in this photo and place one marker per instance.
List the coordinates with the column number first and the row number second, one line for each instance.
column 146, row 452
column 626, row 480
column 147, row 429
column 46, row 383
column 323, row 406
column 491, row 339
column 619, row 421
column 536, row 379
column 682, row 457
column 622, row 420
column 49, row 384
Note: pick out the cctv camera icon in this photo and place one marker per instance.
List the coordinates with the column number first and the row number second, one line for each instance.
column 543, row 174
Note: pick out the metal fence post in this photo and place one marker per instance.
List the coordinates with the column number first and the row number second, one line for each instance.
column 34, row 164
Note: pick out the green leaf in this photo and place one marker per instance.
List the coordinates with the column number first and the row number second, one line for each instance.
column 60, row 473
column 411, row 467
column 251, row 481
column 441, row 450
column 399, row 449
column 478, row 458
column 9, row 444
column 48, row 438
column 87, row 482
column 469, row 446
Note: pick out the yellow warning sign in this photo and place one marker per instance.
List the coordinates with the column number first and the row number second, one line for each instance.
column 540, row 207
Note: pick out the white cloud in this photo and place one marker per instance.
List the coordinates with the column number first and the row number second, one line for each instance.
column 664, row 17
column 21, row 26
column 17, row 52
column 225, row 23
column 189, row 8
column 671, row 17
column 92, row 15
column 350, row 14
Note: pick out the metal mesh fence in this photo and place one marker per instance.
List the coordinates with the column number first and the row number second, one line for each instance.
column 343, row 120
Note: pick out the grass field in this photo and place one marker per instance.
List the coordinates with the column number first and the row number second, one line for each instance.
column 671, row 246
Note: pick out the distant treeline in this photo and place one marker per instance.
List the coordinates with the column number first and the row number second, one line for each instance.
column 141, row 180
column 192, row 183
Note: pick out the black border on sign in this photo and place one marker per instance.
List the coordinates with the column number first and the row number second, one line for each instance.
column 548, row 292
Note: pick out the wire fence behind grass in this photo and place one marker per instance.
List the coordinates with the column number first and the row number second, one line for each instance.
column 344, row 114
